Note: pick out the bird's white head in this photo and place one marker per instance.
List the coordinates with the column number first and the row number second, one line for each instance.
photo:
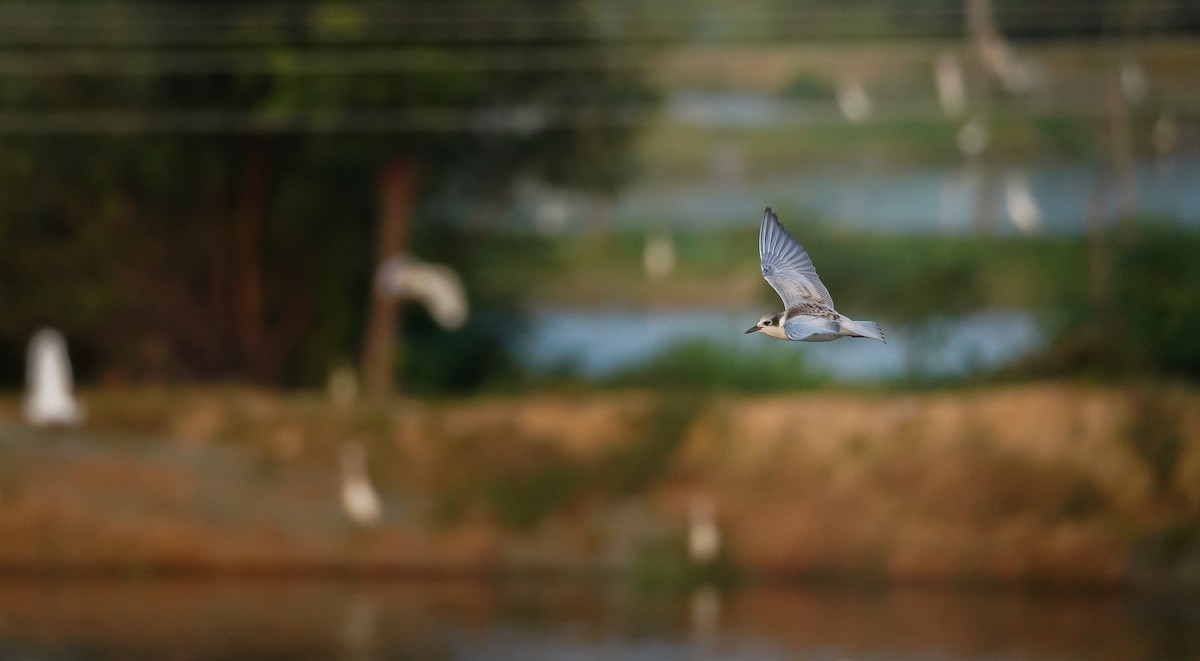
column 771, row 325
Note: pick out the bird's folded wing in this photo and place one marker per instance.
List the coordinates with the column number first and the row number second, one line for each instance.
column 787, row 266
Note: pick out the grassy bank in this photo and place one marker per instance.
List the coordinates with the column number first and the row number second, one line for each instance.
column 1045, row 484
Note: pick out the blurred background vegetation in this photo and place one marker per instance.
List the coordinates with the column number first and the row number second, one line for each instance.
column 200, row 195
column 199, row 192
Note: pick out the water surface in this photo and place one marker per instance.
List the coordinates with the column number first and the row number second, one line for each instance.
column 599, row 342
column 381, row 619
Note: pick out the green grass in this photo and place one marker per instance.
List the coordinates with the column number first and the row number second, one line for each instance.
column 701, row 366
column 521, row 489
column 903, row 279
column 900, row 277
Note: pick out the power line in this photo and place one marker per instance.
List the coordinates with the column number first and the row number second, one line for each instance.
column 319, row 61
column 29, row 24
column 514, row 120
column 322, row 60
column 520, row 121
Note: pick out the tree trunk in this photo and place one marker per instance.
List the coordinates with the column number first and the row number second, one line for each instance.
column 248, row 297
column 396, row 188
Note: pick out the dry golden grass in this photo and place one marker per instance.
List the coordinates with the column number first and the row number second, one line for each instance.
column 1042, row 483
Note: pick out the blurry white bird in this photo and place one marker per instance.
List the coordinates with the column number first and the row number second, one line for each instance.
column 973, row 138
column 951, row 86
column 359, row 498
column 704, row 538
column 808, row 314
column 1134, row 83
column 48, row 399
column 658, row 256
column 342, row 386
column 1022, row 206
column 853, row 101
column 1016, row 73
column 435, row 286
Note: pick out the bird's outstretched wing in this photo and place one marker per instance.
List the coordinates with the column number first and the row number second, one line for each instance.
column 787, row 266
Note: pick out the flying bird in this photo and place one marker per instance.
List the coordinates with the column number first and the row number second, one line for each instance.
column 808, row 314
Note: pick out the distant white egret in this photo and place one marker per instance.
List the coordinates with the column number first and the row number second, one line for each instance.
column 49, row 399
column 1017, row 74
column 552, row 216
column 1022, row 206
column 1134, row 83
column 437, row 287
column 973, row 138
column 704, row 538
column 951, row 86
column 853, row 101
column 359, row 498
column 704, row 545
column 658, row 257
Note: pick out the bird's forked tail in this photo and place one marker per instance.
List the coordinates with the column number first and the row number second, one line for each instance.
column 862, row 329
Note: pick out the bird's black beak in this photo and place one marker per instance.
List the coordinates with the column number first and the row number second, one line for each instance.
column 752, row 329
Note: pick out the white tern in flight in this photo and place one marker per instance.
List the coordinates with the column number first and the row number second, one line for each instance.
column 808, row 314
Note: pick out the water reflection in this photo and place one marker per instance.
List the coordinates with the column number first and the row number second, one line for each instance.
column 183, row 619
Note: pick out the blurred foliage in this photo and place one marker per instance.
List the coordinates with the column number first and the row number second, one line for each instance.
column 634, row 467
column 241, row 249
column 1144, row 324
column 517, row 489
column 700, row 365
column 521, row 489
column 662, row 566
column 1167, row 557
column 177, row 250
column 1143, row 316
column 1156, row 278
column 478, row 355
column 1156, row 436
column 523, row 500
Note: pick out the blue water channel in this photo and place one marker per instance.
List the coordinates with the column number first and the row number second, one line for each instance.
column 601, row 342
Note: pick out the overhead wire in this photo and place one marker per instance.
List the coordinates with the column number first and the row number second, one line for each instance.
column 38, row 24
column 308, row 38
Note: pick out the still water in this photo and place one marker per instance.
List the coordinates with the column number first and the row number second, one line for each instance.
column 912, row 200
column 381, row 619
column 951, row 347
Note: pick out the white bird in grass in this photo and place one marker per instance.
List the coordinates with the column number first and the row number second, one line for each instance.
column 50, row 400
column 951, row 85
column 808, row 314
column 658, row 257
column 359, row 498
column 704, row 537
column 853, row 100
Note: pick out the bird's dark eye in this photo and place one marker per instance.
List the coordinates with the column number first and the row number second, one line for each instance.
column 767, row 322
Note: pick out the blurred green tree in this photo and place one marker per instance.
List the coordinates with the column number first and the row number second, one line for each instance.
column 206, row 188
